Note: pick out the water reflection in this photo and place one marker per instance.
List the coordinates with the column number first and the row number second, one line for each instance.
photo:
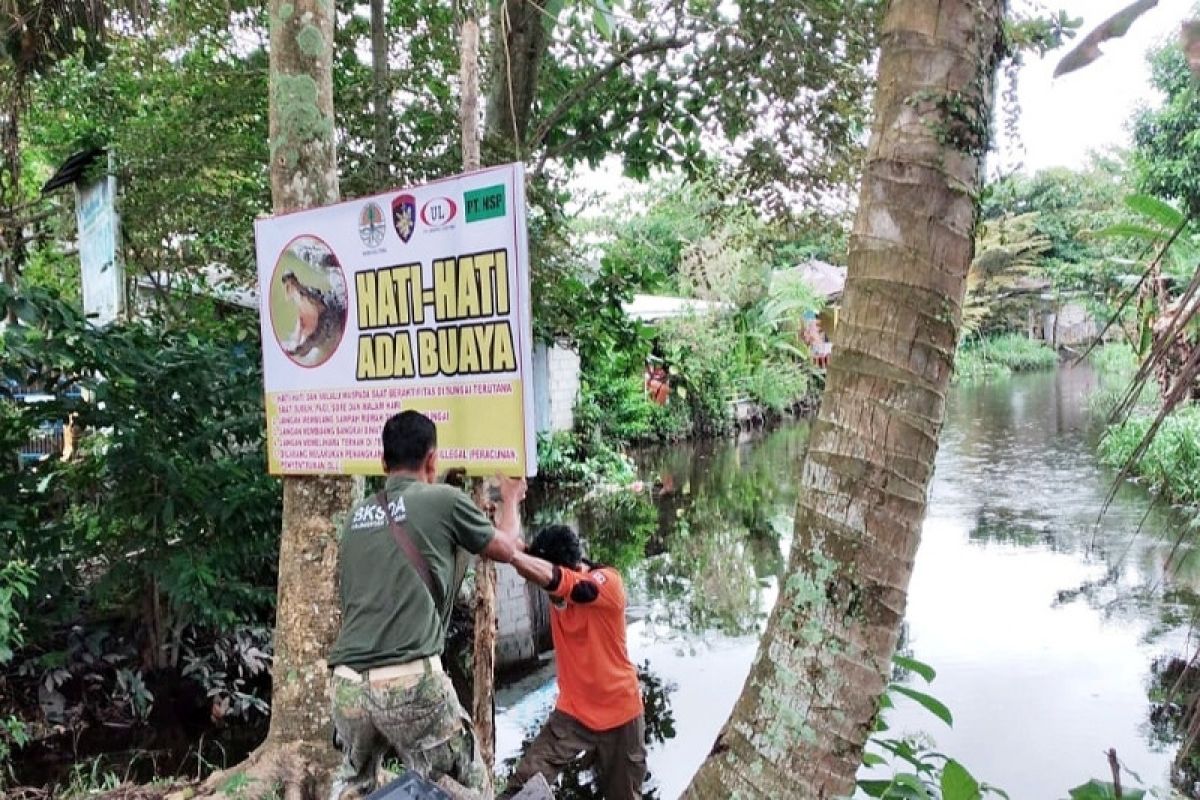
column 701, row 548
column 1041, row 621
column 576, row 781
column 1041, row 615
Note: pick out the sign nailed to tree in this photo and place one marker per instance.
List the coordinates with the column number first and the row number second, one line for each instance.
column 415, row 299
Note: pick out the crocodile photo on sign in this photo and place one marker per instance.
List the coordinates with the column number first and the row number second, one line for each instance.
column 308, row 302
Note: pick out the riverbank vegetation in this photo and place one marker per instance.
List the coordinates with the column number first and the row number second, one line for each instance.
column 1001, row 356
column 736, row 335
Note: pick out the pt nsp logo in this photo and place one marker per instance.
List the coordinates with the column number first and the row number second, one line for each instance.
column 371, row 225
column 404, row 216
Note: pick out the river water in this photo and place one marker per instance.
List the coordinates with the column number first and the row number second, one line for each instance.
column 1042, row 623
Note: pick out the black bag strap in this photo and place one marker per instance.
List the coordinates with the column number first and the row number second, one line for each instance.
column 409, row 548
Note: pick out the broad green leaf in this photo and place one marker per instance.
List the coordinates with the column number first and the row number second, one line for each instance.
column 931, row 704
column 957, row 783
column 1152, row 208
column 602, row 18
column 920, row 667
column 873, row 760
column 550, row 14
column 874, row 788
column 911, row 783
column 1131, row 230
column 1099, row 790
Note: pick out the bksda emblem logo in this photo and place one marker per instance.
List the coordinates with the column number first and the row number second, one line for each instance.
column 404, row 216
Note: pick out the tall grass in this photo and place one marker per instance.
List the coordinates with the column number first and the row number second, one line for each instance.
column 1001, row 356
column 1116, row 365
column 1171, row 465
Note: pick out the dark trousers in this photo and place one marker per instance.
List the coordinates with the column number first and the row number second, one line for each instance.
column 619, row 755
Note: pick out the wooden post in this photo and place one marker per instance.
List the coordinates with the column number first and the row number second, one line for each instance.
column 483, row 711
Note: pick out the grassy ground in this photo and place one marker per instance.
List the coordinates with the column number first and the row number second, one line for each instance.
column 1001, row 356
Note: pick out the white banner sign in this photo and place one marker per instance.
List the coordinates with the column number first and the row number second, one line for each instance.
column 417, row 298
column 103, row 277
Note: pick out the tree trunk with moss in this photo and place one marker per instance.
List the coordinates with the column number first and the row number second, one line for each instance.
column 805, row 712
column 297, row 755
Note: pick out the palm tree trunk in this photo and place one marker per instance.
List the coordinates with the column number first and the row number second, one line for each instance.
column 799, row 727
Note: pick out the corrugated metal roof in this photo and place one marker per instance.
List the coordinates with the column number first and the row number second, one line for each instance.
column 72, row 169
column 650, row 307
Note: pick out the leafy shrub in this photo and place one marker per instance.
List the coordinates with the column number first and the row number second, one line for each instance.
column 1171, row 465
column 776, row 385
column 615, row 406
column 16, row 579
column 233, row 670
column 165, row 519
column 567, row 458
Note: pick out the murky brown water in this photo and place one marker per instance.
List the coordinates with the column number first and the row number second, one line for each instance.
column 1042, row 624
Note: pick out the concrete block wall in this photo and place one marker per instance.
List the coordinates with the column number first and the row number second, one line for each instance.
column 563, row 369
column 515, row 643
column 555, row 387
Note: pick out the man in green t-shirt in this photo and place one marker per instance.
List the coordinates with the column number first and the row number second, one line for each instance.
column 389, row 690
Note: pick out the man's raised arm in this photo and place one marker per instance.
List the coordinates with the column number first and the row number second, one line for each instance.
column 507, row 540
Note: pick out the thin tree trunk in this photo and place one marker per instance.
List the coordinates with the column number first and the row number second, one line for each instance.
column 12, row 243
column 379, row 81
column 469, row 76
column 799, row 727
column 483, row 708
column 297, row 753
column 519, row 42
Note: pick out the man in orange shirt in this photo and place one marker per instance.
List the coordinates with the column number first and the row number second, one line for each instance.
column 599, row 708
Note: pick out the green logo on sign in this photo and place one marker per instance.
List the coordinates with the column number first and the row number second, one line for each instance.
column 485, row 203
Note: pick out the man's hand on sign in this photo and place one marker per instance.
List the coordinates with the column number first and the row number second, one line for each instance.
column 512, row 490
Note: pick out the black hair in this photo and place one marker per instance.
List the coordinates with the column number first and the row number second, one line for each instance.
column 408, row 437
column 559, row 545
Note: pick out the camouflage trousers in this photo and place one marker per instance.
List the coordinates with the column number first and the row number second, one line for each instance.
column 417, row 717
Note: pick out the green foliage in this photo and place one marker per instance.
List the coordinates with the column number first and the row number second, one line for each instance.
column 1171, row 465
column 918, row 771
column 424, row 129
column 1153, row 223
column 1001, row 356
column 571, row 460
column 1067, row 208
column 1099, row 790
column 740, row 63
column 1166, row 155
column 1004, row 275
column 690, row 239
column 13, row 733
column 16, row 580
column 169, row 499
column 182, row 107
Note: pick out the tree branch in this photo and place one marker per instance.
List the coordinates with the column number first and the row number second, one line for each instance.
column 580, row 91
